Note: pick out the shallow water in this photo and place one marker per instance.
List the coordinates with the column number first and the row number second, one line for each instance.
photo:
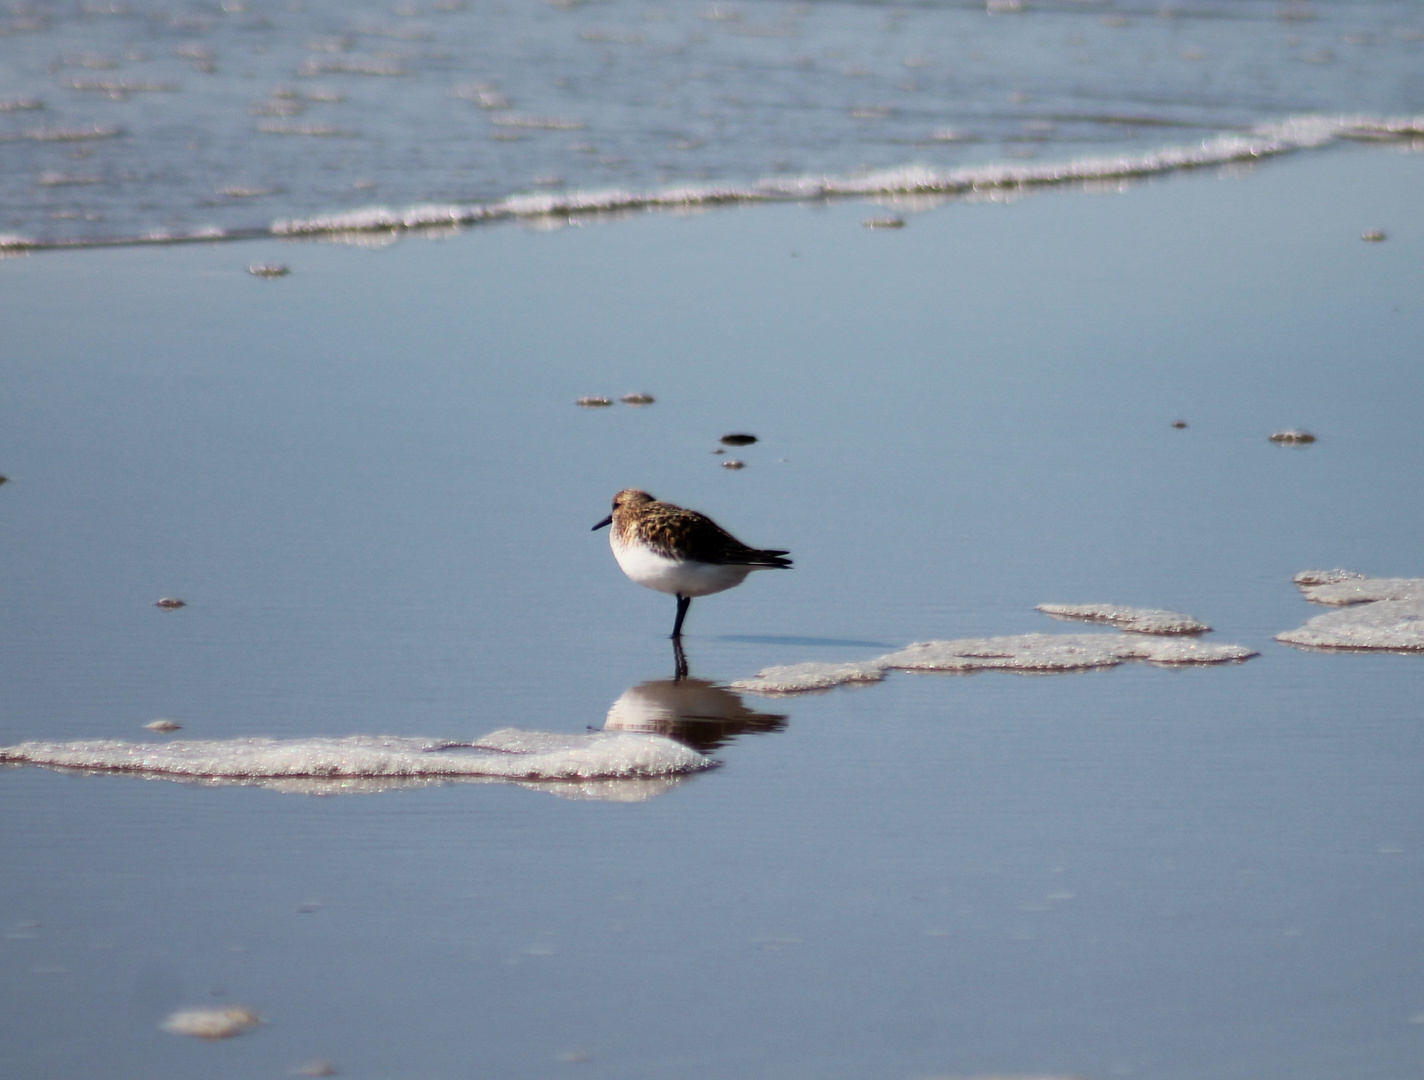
column 370, row 483
column 174, row 117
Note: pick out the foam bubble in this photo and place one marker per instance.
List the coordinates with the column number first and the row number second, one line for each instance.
column 1376, row 613
column 367, row 763
column 1138, row 620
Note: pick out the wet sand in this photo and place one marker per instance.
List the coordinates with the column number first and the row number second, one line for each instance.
column 370, row 484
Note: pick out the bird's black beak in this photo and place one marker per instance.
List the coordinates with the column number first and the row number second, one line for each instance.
column 606, row 521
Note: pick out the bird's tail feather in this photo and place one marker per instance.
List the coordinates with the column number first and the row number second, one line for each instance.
column 774, row 559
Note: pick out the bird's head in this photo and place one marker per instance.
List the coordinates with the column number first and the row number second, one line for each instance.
column 624, row 500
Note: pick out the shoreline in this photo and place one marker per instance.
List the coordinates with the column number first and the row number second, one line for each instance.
column 1262, row 143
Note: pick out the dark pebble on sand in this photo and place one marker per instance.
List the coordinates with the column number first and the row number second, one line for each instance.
column 738, row 440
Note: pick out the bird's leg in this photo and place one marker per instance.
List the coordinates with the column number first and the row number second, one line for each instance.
column 679, row 659
column 683, row 603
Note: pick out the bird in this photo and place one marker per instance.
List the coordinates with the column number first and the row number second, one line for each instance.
column 682, row 552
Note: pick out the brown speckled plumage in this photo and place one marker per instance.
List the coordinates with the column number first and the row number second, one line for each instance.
column 677, row 533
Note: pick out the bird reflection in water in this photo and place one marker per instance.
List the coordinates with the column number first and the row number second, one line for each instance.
column 693, row 711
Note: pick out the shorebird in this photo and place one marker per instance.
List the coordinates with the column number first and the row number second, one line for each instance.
column 682, row 552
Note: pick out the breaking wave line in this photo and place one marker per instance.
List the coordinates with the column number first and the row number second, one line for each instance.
column 1307, row 132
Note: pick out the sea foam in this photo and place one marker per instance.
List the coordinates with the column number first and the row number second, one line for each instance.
column 1138, row 620
column 1028, row 654
column 596, row 762
column 1376, row 613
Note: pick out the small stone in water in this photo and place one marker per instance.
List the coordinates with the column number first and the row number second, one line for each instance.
column 268, row 270
column 638, row 399
column 738, row 440
column 319, row 1067
column 593, row 402
column 212, row 1023
column 170, row 602
column 1374, row 236
column 163, row 725
column 1179, row 423
column 885, row 223
column 1292, row 438
column 734, row 464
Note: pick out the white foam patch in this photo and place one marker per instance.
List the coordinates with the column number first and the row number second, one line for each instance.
column 1341, row 587
column 221, row 1023
column 1377, row 613
column 1386, row 624
column 800, row 678
column 1045, row 653
column 1326, row 577
column 1138, row 620
column 366, row 763
column 1024, row 653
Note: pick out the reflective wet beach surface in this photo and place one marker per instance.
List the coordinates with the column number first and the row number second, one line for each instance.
column 370, row 484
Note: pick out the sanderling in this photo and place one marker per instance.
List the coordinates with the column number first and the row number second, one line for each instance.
column 682, row 552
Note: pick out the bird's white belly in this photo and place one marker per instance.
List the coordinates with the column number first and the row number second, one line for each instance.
column 681, row 577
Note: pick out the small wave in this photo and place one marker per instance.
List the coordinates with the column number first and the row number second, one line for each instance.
column 282, row 127
column 537, row 123
column 75, row 134
column 352, row 66
column 1297, row 133
column 596, row 763
column 1269, row 140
